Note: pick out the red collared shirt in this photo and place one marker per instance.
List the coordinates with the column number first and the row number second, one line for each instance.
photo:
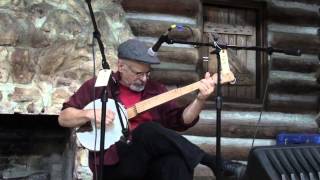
column 167, row 114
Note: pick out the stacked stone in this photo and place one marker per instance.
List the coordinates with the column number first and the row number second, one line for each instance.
column 45, row 50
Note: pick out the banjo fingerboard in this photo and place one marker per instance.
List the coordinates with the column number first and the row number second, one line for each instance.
column 160, row 99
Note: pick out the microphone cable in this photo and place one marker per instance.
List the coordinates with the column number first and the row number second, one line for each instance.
column 94, row 110
column 257, row 126
column 181, row 27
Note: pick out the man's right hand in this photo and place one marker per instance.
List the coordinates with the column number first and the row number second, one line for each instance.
column 110, row 115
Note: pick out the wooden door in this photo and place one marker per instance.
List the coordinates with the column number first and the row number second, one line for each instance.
column 233, row 26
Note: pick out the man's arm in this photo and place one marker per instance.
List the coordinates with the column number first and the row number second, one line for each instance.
column 73, row 117
column 193, row 110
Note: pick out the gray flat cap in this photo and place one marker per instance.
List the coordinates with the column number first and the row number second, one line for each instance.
column 136, row 50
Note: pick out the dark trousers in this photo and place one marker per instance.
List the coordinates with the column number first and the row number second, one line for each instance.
column 155, row 153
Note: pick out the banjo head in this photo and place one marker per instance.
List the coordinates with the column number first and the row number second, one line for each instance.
column 90, row 138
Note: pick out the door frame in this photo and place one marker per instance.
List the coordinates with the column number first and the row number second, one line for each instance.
column 261, row 35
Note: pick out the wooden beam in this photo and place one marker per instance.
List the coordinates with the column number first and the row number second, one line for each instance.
column 318, row 119
column 304, row 63
column 192, row 21
column 307, row 43
column 309, row 2
column 174, row 77
column 231, row 148
column 232, row 106
column 244, row 124
column 228, row 29
column 293, row 103
column 298, row 29
column 317, row 75
column 240, row 4
column 153, row 28
column 183, row 54
column 292, row 15
column 178, row 55
column 174, row 66
column 293, row 82
column 178, row 7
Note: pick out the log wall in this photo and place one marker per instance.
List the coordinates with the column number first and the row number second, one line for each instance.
column 293, row 91
column 293, row 84
column 290, row 24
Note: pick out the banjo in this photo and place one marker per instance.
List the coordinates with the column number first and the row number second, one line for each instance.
column 89, row 136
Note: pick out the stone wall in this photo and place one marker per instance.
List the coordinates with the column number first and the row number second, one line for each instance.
column 46, row 50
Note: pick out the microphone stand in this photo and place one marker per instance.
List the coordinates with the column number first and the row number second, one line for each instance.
column 104, row 96
column 219, row 99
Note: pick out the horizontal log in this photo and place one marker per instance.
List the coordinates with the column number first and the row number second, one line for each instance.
column 293, row 103
column 318, row 119
column 233, row 106
column 293, row 15
column 191, row 21
column 309, row 2
column 274, row 27
column 174, row 66
column 293, row 82
column 317, row 75
column 244, row 124
column 304, row 63
column 173, row 77
column 307, row 43
column 231, row 148
column 178, row 7
column 175, row 53
column 179, row 55
column 154, row 28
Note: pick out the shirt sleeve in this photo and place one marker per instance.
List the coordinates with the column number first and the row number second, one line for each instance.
column 171, row 115
column 83, row 96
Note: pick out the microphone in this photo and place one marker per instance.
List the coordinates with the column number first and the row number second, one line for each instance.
column 163, row 38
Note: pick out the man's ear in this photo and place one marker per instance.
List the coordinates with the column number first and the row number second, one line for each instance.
column 120, row 66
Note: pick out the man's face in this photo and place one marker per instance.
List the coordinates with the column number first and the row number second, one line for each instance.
column 134, row 74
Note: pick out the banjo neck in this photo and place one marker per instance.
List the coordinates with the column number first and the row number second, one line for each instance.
column 160, row 99
column 227, row 76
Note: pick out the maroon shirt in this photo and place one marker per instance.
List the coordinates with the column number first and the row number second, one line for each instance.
column 167, row 114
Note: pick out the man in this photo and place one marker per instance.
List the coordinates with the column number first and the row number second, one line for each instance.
column 155, row 151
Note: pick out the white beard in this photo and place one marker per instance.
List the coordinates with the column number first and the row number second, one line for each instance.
column 136, row 88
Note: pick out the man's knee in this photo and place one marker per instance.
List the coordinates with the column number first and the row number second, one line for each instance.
column 148, row 129
column 149, row 125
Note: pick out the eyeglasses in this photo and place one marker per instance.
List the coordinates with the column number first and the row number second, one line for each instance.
column 139, row 74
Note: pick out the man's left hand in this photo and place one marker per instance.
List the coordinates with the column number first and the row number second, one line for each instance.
column 206, row 88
